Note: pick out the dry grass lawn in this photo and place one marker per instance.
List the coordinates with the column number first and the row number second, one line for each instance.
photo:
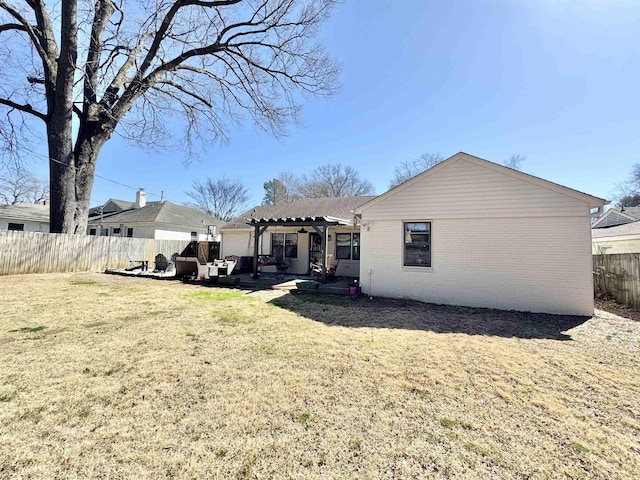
column 112, row 377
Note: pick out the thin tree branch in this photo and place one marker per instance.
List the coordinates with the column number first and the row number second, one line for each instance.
column 177, row 86
column 34, row 34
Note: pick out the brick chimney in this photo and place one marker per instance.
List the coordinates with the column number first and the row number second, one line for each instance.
column 141, row 198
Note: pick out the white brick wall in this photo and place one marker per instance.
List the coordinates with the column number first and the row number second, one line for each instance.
column 528, row 264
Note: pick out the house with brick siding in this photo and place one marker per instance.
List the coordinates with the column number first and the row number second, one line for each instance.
column 471, row 232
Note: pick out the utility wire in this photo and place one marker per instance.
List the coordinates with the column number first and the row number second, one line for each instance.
column 163, row 197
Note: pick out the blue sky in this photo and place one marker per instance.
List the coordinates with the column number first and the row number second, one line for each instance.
column 554, row 80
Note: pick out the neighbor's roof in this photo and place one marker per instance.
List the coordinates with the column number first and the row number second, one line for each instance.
column 119, row 204
column 593, row 201
column 161, row 212
column 25, row 211
column 617, row 216
column 335, row 209
column 617, row 231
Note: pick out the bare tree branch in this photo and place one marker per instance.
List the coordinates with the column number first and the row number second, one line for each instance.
column 23, row 108
column 410, row 168
column 12, row 26
column 122, row 68
column 18, row 185
column 222, row 198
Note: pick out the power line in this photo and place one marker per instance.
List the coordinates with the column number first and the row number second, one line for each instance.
column 162, row 197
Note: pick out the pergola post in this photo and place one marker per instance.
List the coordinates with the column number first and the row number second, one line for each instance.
column 323, row 237
column 256, row 243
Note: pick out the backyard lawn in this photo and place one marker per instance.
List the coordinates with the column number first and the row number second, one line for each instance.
column 111, row 377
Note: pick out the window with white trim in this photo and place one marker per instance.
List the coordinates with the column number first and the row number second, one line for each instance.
column 417, row 244
column 348, row 246
column 284, row 245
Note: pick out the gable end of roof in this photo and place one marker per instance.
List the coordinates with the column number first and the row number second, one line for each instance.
column 540, row 182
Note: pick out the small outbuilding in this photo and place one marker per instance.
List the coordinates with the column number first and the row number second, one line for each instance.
column 475, row 233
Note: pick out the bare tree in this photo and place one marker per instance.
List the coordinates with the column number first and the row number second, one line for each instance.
column 628, row 192
column 112, row 66
column 334, row 181
column 410, row 168
column 281, row 190
column 18, row 185
column 515, row 161
column 222, row 198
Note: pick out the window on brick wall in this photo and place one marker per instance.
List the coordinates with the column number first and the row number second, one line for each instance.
column 417, row 244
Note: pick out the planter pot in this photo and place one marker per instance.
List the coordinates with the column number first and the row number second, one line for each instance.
column 307, row 285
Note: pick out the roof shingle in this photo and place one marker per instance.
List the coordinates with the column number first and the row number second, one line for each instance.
column 336, row 207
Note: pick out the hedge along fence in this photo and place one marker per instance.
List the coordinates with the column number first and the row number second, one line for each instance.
column 34, row 252
column 618, row 275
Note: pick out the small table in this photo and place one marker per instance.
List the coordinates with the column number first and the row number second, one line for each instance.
column 144, row 264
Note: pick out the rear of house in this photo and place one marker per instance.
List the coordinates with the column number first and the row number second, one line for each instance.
column 294, row 234
column 471, row 232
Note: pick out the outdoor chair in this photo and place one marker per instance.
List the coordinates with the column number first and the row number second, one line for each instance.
column 161, row 263
column 332, row 267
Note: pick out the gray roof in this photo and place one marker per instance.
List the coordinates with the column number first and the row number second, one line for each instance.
column 117, row 206
column 617, row 216
column 25, row 211
column 161, row 212
column 632, row 211
column 338, row 208
column 632, row 228
column 123, row 204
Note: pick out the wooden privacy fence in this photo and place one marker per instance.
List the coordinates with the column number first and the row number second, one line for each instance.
column 618, row 275
column 33, row 252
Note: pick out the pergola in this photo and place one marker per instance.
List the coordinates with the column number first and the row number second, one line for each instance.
column 319, row 224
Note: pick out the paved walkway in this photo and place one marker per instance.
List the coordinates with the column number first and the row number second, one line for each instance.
column 336, row 286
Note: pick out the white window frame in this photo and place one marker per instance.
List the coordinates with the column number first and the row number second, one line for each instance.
column 409, row 238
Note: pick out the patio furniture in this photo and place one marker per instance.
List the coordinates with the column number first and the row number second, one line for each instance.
column 161, row 263
column 332, row 267
column 136, row 264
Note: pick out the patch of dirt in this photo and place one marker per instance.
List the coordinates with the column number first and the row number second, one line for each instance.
column 55, row 331
column 611, row 305
column 96, row 324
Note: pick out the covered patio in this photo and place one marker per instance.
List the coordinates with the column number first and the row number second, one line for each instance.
column 320, row 225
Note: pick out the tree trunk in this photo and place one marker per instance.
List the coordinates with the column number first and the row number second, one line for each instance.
column 72, row 182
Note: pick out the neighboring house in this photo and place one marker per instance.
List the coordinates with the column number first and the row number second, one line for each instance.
column 112, row 205
column 619, row 239
column 298, row 233
column 617, row 231
column 472, row 232
column 157, row 220
column 25, row 217
column 617, row 216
